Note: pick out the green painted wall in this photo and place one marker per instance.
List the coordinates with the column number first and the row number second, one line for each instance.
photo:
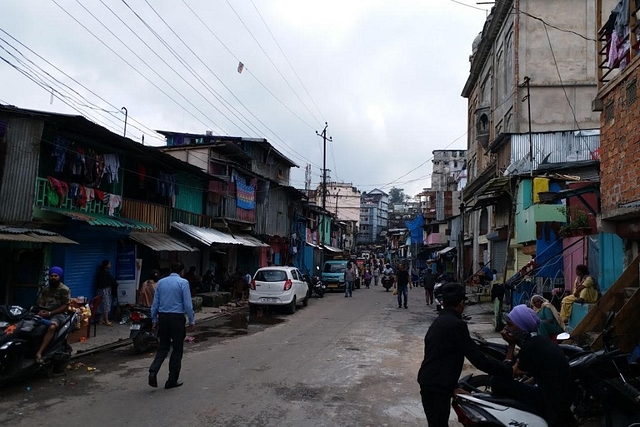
column 191, row 195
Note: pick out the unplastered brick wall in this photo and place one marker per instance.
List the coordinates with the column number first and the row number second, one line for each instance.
column 620, row 142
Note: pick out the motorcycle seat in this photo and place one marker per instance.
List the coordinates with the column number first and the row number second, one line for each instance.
column 512, row 403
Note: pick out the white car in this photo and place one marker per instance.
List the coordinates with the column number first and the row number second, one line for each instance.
column 278, row 286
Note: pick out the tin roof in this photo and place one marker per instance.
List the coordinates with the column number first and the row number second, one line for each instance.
column 36, row 235
column 210, row 236
column 161, row 242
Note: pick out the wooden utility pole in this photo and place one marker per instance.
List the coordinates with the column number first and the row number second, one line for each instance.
column 324, row 164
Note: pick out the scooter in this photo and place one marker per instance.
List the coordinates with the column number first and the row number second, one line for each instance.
column 141, row 329
column 21, row 334
column 437, row 294
column 387, row 282
column 318, row 287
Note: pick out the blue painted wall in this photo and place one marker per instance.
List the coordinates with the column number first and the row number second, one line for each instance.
column 611, row 259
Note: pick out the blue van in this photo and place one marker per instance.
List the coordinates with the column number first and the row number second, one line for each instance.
column 333, row 273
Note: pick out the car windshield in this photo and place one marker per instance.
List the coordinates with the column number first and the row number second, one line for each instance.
column 335, row 268
column 271, row 276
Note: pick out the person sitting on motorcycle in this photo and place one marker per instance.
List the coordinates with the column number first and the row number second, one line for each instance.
column 388, row 271
column 54, row 303
column 545, row 364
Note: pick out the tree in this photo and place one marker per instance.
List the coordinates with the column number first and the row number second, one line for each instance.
column 396, row 195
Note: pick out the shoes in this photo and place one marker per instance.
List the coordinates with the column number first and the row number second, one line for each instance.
column 406, row 306
column 169, row 385
column 399, row 306
column 346, row 296
column 350, row 295
column 153, row 380
column 107, row 323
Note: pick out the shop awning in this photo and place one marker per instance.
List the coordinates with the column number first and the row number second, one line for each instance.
column 102, row 220
column 210, row 236
column 333, row 249
column 445, row 250
column 312, row 245
column 36, row 235
column 161, row 242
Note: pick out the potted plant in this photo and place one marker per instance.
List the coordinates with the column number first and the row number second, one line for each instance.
column 577, row 222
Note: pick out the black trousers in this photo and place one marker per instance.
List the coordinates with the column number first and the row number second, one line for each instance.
column 437, row 407
column 171, row 335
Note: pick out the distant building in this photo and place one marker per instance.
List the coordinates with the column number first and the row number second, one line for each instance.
column 374, row 207
column 447, row 165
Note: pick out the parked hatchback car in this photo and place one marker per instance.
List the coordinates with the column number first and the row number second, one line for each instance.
column 278, row 286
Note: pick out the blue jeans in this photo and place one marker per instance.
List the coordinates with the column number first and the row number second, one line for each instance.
column 403, row 290
column 348, row 288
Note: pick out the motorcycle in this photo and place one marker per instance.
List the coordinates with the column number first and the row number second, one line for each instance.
column 21, row 334
column 601, row 384
column 141, row 329
column 437, row 294
column 387, row 282
column 317, row 287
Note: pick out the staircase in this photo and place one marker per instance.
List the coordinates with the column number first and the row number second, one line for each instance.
column 623, row 298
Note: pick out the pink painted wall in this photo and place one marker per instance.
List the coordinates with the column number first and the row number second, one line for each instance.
column 572, row 255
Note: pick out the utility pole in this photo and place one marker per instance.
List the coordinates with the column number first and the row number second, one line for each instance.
column 324, row 164
column 527, row 97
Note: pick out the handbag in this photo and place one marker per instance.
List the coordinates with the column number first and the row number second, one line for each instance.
column 395, row 291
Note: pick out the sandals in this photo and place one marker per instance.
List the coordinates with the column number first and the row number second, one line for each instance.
column 107, row 323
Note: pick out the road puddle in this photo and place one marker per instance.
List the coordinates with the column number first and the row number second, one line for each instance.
column 233, row 326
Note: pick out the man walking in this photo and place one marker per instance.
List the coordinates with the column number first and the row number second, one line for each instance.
column 403, row 280
column 170, row 303
column 349, row 279
column 429, row 280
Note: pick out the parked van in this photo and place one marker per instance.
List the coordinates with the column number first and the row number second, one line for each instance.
column 333, row 273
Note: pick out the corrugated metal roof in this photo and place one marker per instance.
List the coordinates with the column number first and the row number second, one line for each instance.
column 210, row 236
column 36, row 235
column 103, row 220
column 161, row 242
column 332, row 248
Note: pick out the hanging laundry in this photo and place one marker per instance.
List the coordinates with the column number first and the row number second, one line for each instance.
column 99, row 195
column 74, row 192
column 99, row 170
column 113, row 201
column 91, row 194
column 111, row 166
column 78, row 165
column 246, row 195
column 90, row 167
column 60, row 153
column 60, row 189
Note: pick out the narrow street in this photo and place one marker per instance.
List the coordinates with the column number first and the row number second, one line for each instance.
column 338, row 362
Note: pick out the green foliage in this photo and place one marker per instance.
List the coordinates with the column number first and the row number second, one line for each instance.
column 575, row 217
column 396, row 195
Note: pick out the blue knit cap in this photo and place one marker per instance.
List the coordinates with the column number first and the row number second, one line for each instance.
column 56, row 270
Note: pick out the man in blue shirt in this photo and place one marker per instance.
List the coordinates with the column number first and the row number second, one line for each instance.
column 170, row 303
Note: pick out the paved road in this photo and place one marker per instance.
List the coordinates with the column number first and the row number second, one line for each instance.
column 338, row 362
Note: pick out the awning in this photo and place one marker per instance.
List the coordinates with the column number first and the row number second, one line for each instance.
column 36, row 235
column 333, row 249
column 161, row 242
column 312, row 245
column 445, row 250
column 103, row 220
column 210, row 236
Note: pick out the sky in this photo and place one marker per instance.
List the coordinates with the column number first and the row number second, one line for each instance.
column 386, row 76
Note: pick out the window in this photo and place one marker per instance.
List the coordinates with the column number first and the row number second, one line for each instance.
column 271, row 276
column 631, row 93
column 608, row 111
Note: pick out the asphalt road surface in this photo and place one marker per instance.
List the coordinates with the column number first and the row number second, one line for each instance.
column 338, row 362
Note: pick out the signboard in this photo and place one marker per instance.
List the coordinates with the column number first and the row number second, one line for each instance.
column 126, row 274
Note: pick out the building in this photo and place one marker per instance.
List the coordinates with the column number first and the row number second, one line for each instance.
column 446, row 167
column 517, row 57
column 374, row 207
column 342, row 199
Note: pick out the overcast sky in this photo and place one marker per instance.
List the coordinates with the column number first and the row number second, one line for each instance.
column 385, row 75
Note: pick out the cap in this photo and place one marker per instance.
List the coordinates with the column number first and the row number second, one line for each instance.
column 453, row 293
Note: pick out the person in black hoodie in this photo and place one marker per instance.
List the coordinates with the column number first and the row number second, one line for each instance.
column 446, row 344
column 107, row 287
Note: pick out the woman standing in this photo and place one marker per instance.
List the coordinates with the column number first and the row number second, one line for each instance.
column 105, row 283
column 550, row 322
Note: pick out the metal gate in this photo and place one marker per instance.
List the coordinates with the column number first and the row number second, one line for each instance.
column 499, row 254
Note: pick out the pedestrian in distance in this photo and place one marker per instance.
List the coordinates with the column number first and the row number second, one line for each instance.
column 446, row 345
column 429, row 280
column 349, row 278
column 171, row 302
column 367, row 277
column 376, row 274
column 402, row 281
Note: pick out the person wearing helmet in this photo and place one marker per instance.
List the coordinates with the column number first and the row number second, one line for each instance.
column 544, row 362
column 446, row 344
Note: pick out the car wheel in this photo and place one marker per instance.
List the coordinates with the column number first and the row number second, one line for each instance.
column 291, row 308
column 305, row 302
column 141, row 343
column 253, row 309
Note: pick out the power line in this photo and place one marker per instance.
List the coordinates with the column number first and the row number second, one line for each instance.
column 286, row 58
column 152, row 132
column 468, row 5
column 140, row 73
column 274, row 65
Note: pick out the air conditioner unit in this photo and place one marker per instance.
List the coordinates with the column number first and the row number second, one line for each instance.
column 209, row 133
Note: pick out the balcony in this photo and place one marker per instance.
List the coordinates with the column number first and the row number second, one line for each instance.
column 435, row 239
column 94, row 206
column 157, row 215
column 227, row 208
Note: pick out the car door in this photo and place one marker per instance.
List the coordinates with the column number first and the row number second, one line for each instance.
column 304, row 288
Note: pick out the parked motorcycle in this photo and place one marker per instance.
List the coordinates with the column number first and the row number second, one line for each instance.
column 21, row 334
column 141, row 329
column 605, row 387
column 387, row 282
column 318, row 288
column 437, row 294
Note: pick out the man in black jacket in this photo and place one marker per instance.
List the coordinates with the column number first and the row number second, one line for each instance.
column 446, row 345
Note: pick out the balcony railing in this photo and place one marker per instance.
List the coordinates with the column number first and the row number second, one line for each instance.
column 227, row 208
column 42, row 200
column 157, row 215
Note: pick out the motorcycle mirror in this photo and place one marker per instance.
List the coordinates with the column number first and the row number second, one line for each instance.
column 318, row 267
column 563, row 336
